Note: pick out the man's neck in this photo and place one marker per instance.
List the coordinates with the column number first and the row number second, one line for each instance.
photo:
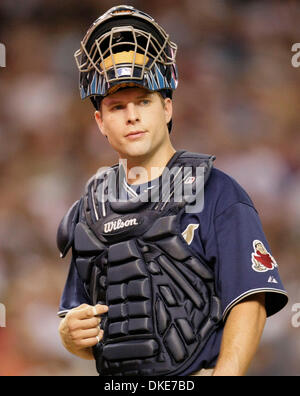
column 141, row 170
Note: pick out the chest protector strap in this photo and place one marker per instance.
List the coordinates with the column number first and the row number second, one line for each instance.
column 132, row 256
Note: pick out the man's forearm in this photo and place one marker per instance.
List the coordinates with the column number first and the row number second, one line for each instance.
column 242, row 333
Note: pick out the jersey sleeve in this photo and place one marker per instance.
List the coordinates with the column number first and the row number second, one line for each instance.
column 74, row 293
column 245, row 265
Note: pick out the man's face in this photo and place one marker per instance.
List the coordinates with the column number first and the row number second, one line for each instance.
column 135, row 122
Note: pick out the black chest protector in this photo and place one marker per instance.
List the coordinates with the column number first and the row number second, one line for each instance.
column 132, row 257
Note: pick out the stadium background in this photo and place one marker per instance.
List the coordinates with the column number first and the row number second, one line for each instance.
column 238, row 98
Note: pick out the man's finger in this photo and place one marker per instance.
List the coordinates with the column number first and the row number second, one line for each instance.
column 92, row 341
column 83, row 324
column 100, row 309
column 85, row 334
column 88, row 311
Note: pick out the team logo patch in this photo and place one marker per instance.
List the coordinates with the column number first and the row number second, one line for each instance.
column 262, row 261
column 189, row 232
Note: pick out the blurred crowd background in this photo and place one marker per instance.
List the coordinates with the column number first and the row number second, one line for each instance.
column 238, row 98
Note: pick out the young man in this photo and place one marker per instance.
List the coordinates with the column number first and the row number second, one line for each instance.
column 164, row 277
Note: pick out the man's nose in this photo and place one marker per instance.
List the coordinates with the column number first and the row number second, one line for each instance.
column 133, row 114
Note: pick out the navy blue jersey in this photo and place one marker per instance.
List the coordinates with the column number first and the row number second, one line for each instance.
column 228, row 235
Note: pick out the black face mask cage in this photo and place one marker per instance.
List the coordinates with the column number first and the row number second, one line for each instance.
column 125, row 45
column 126, row 51
column 126, row 48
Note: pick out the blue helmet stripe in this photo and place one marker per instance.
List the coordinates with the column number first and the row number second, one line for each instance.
column 94, row 84
column 161, row 80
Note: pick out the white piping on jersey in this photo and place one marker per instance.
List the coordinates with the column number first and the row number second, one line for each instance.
column 164, row 195
column 175, row 185
column 129, row 189
column 249, row 293
column 62, row 314
column 103, row 190
column 94, row 206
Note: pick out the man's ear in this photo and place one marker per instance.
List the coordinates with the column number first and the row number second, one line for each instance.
column 99, row 121
column 168, row 109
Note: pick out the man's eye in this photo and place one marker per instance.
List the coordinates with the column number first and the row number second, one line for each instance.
column 145, row 101
column 117, row 107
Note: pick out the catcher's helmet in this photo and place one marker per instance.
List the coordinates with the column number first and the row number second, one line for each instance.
column 125, row 47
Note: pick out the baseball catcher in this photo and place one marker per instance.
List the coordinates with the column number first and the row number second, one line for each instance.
column 162, row 278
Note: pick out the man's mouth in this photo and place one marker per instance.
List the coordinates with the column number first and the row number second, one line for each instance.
column 135, row 134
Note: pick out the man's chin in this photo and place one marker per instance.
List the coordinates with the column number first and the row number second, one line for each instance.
column 136, row 153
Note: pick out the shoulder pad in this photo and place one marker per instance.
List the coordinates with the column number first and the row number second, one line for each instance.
column 198, row 156
column 196, row 159
column 65, row 232
column 98, row 176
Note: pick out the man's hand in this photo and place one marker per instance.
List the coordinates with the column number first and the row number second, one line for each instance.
column 80, row 331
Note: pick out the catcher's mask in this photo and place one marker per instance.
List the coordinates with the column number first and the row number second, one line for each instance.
column 125, row 48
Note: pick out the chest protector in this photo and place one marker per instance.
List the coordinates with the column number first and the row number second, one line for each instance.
column 132, row 257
